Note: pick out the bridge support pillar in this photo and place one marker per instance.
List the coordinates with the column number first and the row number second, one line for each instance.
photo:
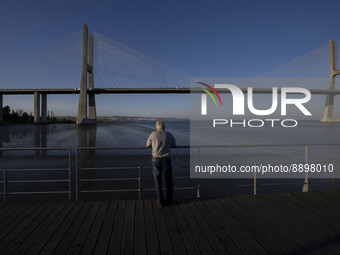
column 36, row 107
column 329, row 105
column 92, row 107
column 1, row 108
column 82, row 106
column 92, row 102
column 43, row 108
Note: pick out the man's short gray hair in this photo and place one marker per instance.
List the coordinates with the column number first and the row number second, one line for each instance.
column 160, row 125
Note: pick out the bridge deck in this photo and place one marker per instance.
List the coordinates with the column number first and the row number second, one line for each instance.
column 151, row 91
column 301, row 223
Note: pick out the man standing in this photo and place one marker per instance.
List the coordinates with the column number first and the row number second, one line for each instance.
column 161, row 143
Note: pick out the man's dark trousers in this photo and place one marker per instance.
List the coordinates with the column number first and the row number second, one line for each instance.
column 163, row 165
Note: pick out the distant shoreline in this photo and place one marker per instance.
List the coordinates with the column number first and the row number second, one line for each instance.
column 72, row 120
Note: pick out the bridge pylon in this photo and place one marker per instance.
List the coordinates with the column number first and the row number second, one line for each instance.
column 329, row 106
column 82, row 117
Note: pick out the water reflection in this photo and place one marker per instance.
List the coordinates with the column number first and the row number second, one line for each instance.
column 86, row 138
column 46, row 136
column 40, row 140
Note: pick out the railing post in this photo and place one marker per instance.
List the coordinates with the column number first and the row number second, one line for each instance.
column 306, row 182
column 77, row 177
column 198, row 183
column 69, row 176
column 139, row 182
column 255, row 186
column 5, row 185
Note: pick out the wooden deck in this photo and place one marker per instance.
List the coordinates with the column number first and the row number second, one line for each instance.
column 300, row 223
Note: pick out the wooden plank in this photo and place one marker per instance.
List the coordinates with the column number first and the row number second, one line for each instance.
column 94, row 233
column 234, row 225
column 257, row 223
column 9, row 210
column 206, row 229
column 240, row 228
column 60, row 232
column 20, row 217
column 199, row 236
column 23, row 231
column 311, row 231
column 330, row 195
column 294, row 240
column 183, row 228
column 151, row 232
column 140, row 235
column 174, row 233
column 6, row 207
column 296, row 224
column 232, row 228
column 12, row 215
column 322, row 218
column 118, row 227
column 218, row 229
column 162, row 231
column 48, row 222
column 333, row 192
column 45, row 236
column 106, row 231
column 250, row 229
column 129, row 228
column 321, row 203
column 80, row 238
column 73, row 229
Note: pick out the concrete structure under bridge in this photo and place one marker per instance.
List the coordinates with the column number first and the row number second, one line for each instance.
column 87, row 91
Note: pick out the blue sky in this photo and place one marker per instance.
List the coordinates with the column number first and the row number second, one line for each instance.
column 201, row 38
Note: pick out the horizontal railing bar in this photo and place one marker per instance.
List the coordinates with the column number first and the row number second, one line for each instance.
column 212, row 146
column 109, row 168
column 123, row 190
column 109, row 190
column 179, row 147
column 37, row 181
column 109, row 179
column 269, row 184
column 183, row 188
column 38, row 169
column 312, row 182
column 121, row 168
column 150, row 167
column 175, row 177
column 128, row 179
column 278, row 184
column 38, row 192
column 30, row 149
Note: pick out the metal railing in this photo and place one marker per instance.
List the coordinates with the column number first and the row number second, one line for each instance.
column 139, row 179
column 305, row 183
column 6, row 182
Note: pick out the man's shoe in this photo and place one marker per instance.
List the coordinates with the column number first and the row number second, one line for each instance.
column 159, row 205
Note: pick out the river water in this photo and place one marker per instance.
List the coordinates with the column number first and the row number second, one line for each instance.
column 115, row 164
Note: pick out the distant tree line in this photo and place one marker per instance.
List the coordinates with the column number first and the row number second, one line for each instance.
column 16, row 115
column 21, row 116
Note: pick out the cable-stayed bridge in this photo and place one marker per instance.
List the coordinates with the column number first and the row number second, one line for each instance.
column 102, row 65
